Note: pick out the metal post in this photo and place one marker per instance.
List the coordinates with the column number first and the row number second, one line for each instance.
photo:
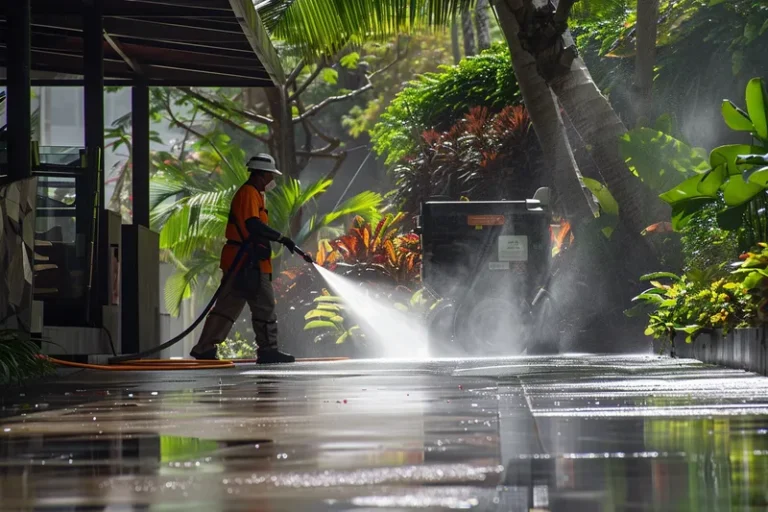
column 93, row 74
column 140, row 138
column 19, row 126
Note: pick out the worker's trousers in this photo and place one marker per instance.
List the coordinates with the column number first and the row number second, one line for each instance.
column 229, row 305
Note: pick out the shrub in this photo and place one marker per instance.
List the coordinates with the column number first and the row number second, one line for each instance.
column 437, row 100
column 236, row 348
column 696, row 302
column 483, row 157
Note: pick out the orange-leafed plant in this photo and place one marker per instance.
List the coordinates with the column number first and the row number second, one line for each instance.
column 384, row 246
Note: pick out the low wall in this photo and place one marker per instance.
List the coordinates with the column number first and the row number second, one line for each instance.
column 742, row 348
column 17, row 257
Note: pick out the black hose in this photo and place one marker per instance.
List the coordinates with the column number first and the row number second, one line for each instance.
column 154, row 350
column 225, row 280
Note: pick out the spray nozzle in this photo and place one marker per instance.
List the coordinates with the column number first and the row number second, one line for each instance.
column 304, row 255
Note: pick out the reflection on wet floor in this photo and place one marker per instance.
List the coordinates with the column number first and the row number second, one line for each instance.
column 572, row 433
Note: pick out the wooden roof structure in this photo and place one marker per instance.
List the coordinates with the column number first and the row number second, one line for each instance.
column 162, row 42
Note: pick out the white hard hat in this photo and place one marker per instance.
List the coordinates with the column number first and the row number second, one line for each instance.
column 263, row 162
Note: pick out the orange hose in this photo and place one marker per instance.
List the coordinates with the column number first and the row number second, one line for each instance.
column 150, row 365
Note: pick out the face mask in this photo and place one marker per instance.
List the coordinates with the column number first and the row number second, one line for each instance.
column 270, row 186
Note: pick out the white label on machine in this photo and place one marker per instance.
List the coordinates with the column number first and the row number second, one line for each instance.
column 498, row 265
column 513, row 248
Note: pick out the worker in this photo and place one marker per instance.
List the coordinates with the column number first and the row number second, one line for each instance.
column 251, row 282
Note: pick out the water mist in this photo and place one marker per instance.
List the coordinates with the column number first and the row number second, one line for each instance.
column 396, row 334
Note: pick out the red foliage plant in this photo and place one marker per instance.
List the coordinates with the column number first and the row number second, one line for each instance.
column 484, row 156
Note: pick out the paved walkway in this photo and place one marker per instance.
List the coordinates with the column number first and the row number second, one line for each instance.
column 567, row 433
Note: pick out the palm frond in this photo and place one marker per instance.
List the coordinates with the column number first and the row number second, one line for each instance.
column 179, row 286
column 323, row 27
column 366, row 204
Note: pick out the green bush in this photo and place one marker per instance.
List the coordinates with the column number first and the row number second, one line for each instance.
column 437, row 100
column 696, row 302
column 236, row 348
column 705, row 244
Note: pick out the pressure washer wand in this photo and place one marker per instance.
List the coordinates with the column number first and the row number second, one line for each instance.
column 304, row 255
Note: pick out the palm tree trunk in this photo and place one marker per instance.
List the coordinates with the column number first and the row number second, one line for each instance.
column 645, row 59
column 544, row 112
column 455, row 42
column 482, row 25
column 600, row 127
column 468, row 33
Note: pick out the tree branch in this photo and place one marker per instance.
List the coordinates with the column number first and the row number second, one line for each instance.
column 194, row 132
column 295, row 73
column 326, row 138
column 257, row 118
column 314, row 109
column 303, row 87
column 232, row 124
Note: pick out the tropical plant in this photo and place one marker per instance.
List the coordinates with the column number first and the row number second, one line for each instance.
column 737, row 174
column 704, row 244
column 236, row 347
column 329, row 320
column 385, row 246
column 696, row 302
column 419, row 53
column 706, row 50
column 436, row 101
column 20, row 359
column 753, row 267
column 481, row 157
column 190, row 201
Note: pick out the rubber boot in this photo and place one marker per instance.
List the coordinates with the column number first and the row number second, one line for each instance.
column 273, row 356
column 208, row 355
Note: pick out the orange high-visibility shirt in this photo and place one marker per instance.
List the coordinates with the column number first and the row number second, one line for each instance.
column 247, row 203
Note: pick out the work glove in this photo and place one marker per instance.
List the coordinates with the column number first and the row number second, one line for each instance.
column 288, row 243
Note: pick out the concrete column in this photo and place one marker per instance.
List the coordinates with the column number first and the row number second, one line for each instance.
column 18, row 101
column 140, row 138
column 93, row 74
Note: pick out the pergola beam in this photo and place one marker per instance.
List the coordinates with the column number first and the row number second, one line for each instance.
column 118, row 50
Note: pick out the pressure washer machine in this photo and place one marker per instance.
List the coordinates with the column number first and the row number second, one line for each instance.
column 488, row 264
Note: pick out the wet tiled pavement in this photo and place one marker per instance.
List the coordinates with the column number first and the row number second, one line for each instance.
column 570, row 433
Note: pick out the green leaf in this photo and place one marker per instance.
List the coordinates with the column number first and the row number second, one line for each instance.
column 604, row 197
column 320, row 324
column 735, row 118
column 660, row 160
column 728, row 156
column 731, row 219
column 696, row 187
column 758, row 176
column 683, row 211
column 319, row 313
column 752, row 160
column 756, row 107
column 753, row 280
column 329, row 307
column 337, row 319
column 738, row 192
column 659, row 275
column 712, row 181
column 330, row 76
column 350, row 60
column 650, row 298
column 341, row 339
